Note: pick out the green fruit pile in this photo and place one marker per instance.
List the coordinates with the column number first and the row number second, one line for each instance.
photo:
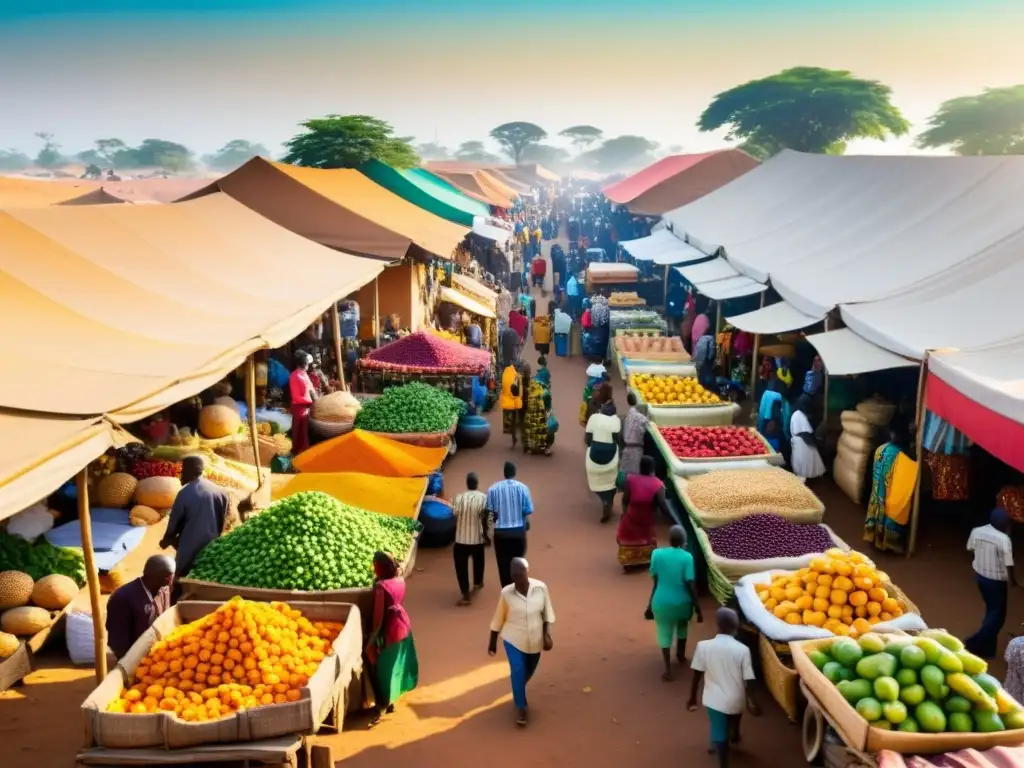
column 41, row 558
column 309, row 541
column 926, row 684
column 414, row 407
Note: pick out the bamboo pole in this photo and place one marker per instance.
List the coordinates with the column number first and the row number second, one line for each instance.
column 376, row 315
column 915, row 511
column 754, row 366
column 250, row 402
column 336, row 330
column 99, row 634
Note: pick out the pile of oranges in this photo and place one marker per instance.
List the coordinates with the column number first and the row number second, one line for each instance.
column 670, row 389
column 243, row 655
column 839, row 591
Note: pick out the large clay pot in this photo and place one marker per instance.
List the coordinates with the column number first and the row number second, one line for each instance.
column 438, row 523
column 472, row 432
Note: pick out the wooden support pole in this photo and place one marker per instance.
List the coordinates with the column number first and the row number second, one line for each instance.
column 99, row 632
column 754, row 367
column 665, row 302
column 336, row 330
column 824, row 407
column 376, row 313
column 250, row 403
column 915, row 511
column 718, row 317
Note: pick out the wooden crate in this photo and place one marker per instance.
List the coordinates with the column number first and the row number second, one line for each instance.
column 782, row 680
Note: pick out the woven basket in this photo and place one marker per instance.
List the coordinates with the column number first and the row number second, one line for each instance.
column 422, row 439
column 324, row 430
column 781, row 679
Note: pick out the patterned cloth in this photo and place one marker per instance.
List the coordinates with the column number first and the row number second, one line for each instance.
column 535, row 427
column 1014, row 683
column 881, row 530
column 599, row 312
column 634, row 429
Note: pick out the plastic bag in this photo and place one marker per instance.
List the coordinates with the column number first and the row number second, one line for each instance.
column 81, row 647
column 31, row 523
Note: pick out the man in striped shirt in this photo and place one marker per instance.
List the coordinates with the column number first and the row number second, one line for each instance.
column 993, row 572
column 509, row 505
column 470, row 510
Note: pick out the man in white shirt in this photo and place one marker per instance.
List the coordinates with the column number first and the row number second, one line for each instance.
column 523, row 619
column 725, row 667
column 993, row 571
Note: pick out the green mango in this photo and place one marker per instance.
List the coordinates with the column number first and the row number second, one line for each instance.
column 1013, row 720
column 819, row 659
column 909, row 726
column 987, row 722
column 957, row 703
column 944, row 639
column 960, row 722
column 855, row 690
column 913, row 657
column 971, row 691
column 871, row 643
column 934, row 680
column 870, row 709
column 834, row 671
column 846, row 651
column 930, row 717
column 882, row 725
column 879, row 665
column 894, row 711
column 1005, row 702
column 973, row 665
column 932, row 649
column 895, row 644
column 906, row 678
column 949, row 662
column 886, row 689
column 989, row 684
column 913, row 695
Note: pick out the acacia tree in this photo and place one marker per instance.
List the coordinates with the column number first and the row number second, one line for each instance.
column 49, row 156
column 515, row 137
column 989, row 123
column 620, row 153
column 475, row 152
column 808, row 109
column 233, row 154
column 431, row 150
column 582, row 136
column 348, row 141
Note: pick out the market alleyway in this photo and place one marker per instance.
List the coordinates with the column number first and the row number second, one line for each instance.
column 597, row 699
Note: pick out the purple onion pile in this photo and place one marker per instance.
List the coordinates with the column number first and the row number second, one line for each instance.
column 763, row 536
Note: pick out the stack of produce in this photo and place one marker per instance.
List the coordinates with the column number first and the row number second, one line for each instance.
column 28, row 606
column 425, row 352
column 40, row 558
column 717, row 498
column 241, row 656
column 219, row 421
column 841, row 592
column 625, row 299
column 309, row 541
column 714, row 442
column 411, row 408
column 446, row 335
column 645, row 346
column 923, row 684
column 854, row 454
column 625, row 319
column 334, row 414
column 664, row 389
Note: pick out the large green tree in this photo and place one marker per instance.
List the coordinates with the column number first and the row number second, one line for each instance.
column 516, row 137
column 475, row 152
column 13, row 160
column 49, row 156
column 233, row 154
column 348, row 141
column 620, row 153
column 990, row 123
column 153, row 153
column 432, row 150
column 808, row 109
column 555, row 158
column 582, row 136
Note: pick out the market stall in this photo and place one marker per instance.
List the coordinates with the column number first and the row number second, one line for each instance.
column 694, row 450
column 372, row 454
column 426, row 358
column 603, row 275
column 675, row 398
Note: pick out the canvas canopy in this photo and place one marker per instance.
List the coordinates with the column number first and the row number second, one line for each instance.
column 19, row 193
column 95, row 197
column 715, row 269
column 678, row 180
column 133, row 308
column 430, row 193
column 338, row 208
column 776, row 318
column 662, row 248
column 481, row 227
column 475, row 185
column 844, row 353
column 730, row 288
column 475, row 287
column 465, row 302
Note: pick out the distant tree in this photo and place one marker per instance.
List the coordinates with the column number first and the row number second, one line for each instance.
column 546, row 155
column 92, row 171
column 348, row 141
column 475, row 152
column 516, row 137
column 109, row 149
column 49, row 156
column 433, row 151
column 91, row 157
column 990, row 123
column 155, row 153
column 582, row 136
column 620, row 153
column 808, row 109
column 13, row 160
column 233, row 154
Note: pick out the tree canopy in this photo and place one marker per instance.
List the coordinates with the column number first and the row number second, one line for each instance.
column 13, row 160
column 515, row 137
column 989, row 123
column 475, row 152
column 433, row 151
column 582, row 136
column 233, row 154
column 808, row 109
column 620, row 153
column 546, row 155
column 49, row 156
column 348, row 141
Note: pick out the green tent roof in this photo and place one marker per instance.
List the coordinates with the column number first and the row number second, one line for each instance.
column 426, row 190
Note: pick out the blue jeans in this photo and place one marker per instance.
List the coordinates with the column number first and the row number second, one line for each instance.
column 983, row 642
column 522, row 666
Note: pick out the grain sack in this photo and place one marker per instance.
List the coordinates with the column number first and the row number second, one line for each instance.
column 857, row 462
column 857, row 425
column 857, row 446
column 850, row 481
column 734, row 570
column 876, row 411
column 719, row 498
column 852, row 417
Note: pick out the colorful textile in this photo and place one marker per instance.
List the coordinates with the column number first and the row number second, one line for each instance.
column 900, row 495
column 522, row 667
column 509, row 422
column 950, row 476
column 766, row 408
column 881, row 530
column 397, row 670
column 719, row 722
column 634, row 429
column 511, row 380
column 637, row 524
column 300, row 386
column 393, row 496
column 300, row 427
column 630, row 556
column 361, row 451
column 535, row 424
column 673, row 567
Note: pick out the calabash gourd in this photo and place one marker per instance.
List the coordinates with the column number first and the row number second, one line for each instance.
column 15, row 589
column 143, row 515
column 54, row 592
column 115, row 491
column 25, row 621
column 8, row 645
column 216, row 421
column 336, row 407
column 157, row 492
column 228, row 402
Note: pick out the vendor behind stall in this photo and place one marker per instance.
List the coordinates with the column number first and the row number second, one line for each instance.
column 303, row 394
column 134, row 606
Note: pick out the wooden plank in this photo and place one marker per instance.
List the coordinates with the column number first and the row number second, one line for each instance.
column 269, row 752
column 99, row 632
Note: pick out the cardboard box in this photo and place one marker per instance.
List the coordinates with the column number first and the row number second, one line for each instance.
column 163, row 729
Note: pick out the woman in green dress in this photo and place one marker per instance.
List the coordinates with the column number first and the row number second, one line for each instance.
column 390, row 651
column 673, row 600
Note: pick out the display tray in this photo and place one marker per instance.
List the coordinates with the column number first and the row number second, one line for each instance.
column 15, row 667
column 422, row 439
column 814, row 512
column 283, row 751
column 319, row 699
column 677, row 464
column 857, row 734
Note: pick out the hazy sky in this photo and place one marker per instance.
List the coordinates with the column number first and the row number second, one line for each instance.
column 203, row 73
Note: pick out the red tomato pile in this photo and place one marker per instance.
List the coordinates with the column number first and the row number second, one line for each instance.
column 713, row 442
column 155, row 468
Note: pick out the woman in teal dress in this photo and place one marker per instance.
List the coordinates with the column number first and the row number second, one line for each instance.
column 673, row 600
column 390, row 652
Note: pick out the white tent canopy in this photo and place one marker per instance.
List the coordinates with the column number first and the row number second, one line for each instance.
column 481, row 227
column 847, row 354
column 730, row 288
column 777, row 318
column 715, row 269
column 992, row 376
column 645, row 248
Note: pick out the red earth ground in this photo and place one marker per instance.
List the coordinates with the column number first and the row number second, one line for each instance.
column 597, row 698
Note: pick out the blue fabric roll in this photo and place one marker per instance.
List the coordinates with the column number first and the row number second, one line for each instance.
column 435, row 484
column 434, row 509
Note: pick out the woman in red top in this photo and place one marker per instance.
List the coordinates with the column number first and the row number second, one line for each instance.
column 635, row 536
column 302, row 395
column 538, row 268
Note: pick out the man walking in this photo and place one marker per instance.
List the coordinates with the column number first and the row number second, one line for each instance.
column 509, row 504
column 993, row 571
column 470, row 510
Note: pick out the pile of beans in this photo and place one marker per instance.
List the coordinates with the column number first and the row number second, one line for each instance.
column 749, row 490
column 425, row 351
column 763, row 537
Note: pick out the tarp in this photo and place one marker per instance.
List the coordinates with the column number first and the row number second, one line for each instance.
column 467, row 303
column 430, row 193
column 475, row 185
column 494, row 170
column 829, row 230
column 394, row 496
column 847, row 354
column 682, row 253
column 131, row 308
column 18, row 193
column 662, row 248
column 730, row 288
column 777, row 318
column 678, row 180
column 500, row 235
column 95, row 197
column 338, row 208
column 715, row 269
column 360, row 451
column 475, row 287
